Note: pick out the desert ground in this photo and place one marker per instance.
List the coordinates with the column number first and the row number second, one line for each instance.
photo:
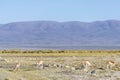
column 60, row 65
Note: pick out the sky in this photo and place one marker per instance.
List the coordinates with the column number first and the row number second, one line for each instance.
column 59, row 10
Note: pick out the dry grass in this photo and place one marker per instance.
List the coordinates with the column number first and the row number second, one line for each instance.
column 73, row 59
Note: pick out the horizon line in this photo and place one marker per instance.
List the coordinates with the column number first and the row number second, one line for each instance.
column 60, row 21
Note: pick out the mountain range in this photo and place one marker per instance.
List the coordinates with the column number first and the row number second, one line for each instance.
column 53, row 33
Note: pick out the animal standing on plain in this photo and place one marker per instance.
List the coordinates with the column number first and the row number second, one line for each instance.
column 86, row 65
column 110, row 64
column 40, row 64
column 17, row 66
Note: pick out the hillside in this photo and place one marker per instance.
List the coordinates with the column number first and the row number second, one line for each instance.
column 52, row 33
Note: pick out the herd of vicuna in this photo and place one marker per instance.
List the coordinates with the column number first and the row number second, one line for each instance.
column 86, row 64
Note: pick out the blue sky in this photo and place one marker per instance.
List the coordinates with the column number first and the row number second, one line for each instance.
column 59, row 10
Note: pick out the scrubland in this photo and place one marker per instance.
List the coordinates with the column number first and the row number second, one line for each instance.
column 59, row 64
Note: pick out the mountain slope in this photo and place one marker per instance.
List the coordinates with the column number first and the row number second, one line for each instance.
column 52, row 33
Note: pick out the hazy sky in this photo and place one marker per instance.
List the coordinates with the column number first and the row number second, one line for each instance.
column 58, row 10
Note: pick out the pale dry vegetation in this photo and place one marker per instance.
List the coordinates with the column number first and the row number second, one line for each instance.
column 59, row 65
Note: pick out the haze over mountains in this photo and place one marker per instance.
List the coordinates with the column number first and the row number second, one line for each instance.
column 52, row 33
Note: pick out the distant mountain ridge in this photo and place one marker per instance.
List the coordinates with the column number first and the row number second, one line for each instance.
column 53, row 33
